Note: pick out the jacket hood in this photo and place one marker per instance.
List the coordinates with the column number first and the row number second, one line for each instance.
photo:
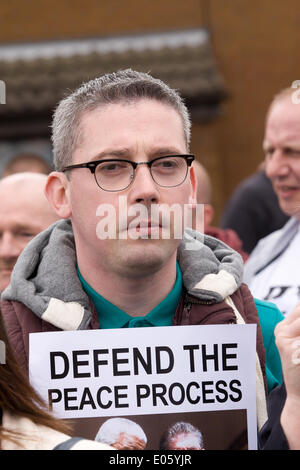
column 45, row 278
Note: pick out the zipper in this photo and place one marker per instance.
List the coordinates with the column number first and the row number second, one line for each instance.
column 186, row 313
column 195, row 300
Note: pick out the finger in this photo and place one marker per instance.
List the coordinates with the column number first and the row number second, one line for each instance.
column 291, row 330
column 289, row 324
column 293, row 315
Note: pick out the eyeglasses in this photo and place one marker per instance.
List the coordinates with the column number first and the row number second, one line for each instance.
column 116, row 174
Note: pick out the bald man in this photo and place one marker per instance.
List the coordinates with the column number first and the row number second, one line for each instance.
column 204, row 196
column 25, row 162
column 122, row 434
column 272, row 271
column 24, row 212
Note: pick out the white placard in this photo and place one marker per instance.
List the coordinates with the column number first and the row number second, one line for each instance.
column 144, row 371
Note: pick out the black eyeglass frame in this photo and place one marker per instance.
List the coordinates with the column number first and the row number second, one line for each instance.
column 93, row 165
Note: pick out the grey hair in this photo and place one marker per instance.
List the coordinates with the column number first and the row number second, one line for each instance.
column 111, row 429
column 179, row 428
column 122, row 86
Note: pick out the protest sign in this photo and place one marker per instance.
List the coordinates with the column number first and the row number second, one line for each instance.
column 196, row 373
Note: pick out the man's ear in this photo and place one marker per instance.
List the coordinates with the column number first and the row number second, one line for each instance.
column 193, row 194
column 56, row 191
column 208, row 214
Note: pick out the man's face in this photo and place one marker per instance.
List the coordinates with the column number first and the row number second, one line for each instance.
column 185, row 441
column 282, row 150
column 23, row 214
column 140, row 131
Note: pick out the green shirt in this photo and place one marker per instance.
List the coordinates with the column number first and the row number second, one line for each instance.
column 269, row 315
column 111, row 316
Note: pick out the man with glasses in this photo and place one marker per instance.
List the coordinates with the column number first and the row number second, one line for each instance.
column 120, row 145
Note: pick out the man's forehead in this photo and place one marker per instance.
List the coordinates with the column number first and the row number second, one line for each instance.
column 17, row 220
column 18, row 196
column 15, row 212
column 131, row 103
column 19, row 204
column 26, row 183
column 117, row 128
column 283, row 121
column 106, row 111
column 284, row 112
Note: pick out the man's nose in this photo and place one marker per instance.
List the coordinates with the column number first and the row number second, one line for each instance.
column 9, row 247
column 143, row 188
column 277, row 165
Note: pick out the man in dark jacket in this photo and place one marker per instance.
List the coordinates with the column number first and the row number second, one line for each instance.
column 120, row 145
column 253, row 211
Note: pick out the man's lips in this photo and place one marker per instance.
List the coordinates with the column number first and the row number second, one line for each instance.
column 286, row 191
column 137, row 223
column 146, row 226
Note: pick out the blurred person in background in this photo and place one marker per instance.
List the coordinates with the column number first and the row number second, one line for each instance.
column 24, row 212
column 25, row 162
column 272, row 271
column 204, row 196
column 269, row 315
column 253, row 210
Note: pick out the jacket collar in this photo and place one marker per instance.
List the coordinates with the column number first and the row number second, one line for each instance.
column 45, row 279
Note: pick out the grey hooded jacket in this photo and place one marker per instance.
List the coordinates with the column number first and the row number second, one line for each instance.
column 45, row 293
column 45, row 280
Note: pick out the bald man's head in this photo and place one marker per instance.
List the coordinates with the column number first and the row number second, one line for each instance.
column 24, row 212
column 203, row 183
column 204, row 194
column 26, row 162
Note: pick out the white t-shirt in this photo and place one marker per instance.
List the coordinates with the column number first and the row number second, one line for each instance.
column 280, row 281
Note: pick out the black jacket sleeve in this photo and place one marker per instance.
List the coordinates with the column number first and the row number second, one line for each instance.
column 271, row 436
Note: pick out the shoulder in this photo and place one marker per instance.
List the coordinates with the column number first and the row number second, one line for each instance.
column 37, row 437
column 269, row 316
column 288, row 231
column 269, row 247
column 19, row 322
column 243, row 292
column 77, row 443
column 269, row 240
column 252, row 184
column 31, row 436
column 268, row 312
column 245, row 304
